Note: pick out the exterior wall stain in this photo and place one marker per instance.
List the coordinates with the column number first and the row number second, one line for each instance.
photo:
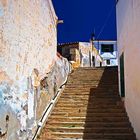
column 28, row 41
column 80, row 54
column 4, row 2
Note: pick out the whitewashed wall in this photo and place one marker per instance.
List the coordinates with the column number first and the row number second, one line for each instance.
column 85, row 54
column 111, row 56
column 128, row 25
column 87, row 51
column 28, row 41
column 27, row 37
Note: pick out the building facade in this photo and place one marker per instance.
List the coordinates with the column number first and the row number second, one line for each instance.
column 128, row 29
column 30, row 71
column 108, row 51
column 81, row 54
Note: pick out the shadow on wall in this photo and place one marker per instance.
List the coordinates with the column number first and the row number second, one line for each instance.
column 20, row 112
column 102, row 100
column 51, row 83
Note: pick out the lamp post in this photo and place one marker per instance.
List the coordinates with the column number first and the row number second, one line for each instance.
column 92, row 45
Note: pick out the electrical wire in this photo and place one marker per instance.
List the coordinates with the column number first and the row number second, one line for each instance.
column 106, row 21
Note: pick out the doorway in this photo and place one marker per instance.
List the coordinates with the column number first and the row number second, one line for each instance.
column 93, row 61
column 122, row 76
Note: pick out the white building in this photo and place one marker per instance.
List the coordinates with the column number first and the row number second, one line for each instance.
column 81, row 54
column 128, row 28
column 108, row 51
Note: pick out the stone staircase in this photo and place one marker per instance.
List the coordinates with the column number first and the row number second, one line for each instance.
column 89, row 109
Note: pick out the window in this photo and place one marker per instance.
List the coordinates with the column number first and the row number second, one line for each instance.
column 107, row 48
column 93, row 60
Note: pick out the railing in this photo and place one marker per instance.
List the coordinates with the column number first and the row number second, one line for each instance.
column 50, row 107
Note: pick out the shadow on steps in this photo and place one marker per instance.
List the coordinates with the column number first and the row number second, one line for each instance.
column 106, row 117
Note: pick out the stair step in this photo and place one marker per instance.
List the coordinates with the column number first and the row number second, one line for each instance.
column 75, row 104
column 81, row 114
column 97, row 107
column 77, row 110
column 79, row 90
column 94, row 135
column 90, row 108
column 88, row 124
column 89, row 119
column 90, row 130
column 89, row 102
column 89, row 93
column 87, row 99
column 91, row 83
column 84, row 138
column 87, row 106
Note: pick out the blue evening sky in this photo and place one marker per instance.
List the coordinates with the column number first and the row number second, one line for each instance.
column 82, row 17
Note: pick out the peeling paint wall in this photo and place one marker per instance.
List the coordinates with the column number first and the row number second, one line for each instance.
column 28, row 41
column 27, row 32
column 88, row 51
column 51, row 83
column 85, row 50
column 80, row 54
column 128, row 26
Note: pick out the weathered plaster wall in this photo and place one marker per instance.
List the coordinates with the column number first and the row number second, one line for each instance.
column 52, row 82
column 28, row 41
column 128, row 24
column 85, row 50
column 80, row 54
column 27, row 32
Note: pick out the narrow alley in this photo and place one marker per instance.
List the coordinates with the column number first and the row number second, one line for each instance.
column 89, row 108
column 69, row 69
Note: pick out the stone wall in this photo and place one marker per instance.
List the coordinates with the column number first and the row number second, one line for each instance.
column 128, row 26
column 28, row 40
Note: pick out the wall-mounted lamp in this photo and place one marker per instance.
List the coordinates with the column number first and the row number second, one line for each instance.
column 60, row 21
